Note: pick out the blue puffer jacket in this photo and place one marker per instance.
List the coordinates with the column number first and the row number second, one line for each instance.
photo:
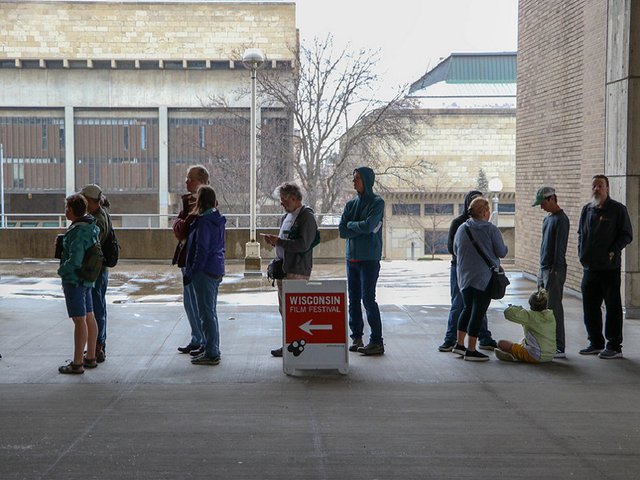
column 80, row 236
column 205, row 245
column 361, row 222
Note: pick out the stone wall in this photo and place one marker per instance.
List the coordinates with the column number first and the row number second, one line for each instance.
column 145, row 31
column 560, row 131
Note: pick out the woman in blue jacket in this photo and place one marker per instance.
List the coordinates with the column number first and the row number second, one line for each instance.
column 474, row 274
column 204, row 268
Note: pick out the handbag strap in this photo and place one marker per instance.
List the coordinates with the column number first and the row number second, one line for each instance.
column 478, row 249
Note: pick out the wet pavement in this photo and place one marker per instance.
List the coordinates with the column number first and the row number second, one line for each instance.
column 147, row 413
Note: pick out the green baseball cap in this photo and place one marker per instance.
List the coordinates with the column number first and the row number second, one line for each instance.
column 542, row 194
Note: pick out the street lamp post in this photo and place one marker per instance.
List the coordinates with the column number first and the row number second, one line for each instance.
column 495, row 186
column 253, row 59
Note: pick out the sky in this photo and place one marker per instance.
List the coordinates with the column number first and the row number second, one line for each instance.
column 412, row 35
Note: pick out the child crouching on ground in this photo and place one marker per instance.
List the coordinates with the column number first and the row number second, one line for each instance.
column 539, row 343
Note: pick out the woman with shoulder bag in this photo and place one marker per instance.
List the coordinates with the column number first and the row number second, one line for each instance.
column 475, row 240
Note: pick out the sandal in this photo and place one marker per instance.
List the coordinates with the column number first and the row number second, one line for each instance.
column 71, row 368
column 89, row 362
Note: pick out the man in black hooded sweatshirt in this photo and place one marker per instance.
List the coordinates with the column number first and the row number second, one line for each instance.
column 486, row 342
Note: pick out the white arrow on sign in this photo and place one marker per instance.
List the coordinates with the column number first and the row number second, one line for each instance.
column 307, row 327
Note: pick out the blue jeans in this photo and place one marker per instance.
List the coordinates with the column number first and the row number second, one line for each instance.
column 191, row 309
column 206, row 292
column 362, row 278
column 457, row 304
column 99, row 298
column 476, row 303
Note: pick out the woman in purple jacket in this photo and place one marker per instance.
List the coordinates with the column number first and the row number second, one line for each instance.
column 474, row 274
column 204, row 268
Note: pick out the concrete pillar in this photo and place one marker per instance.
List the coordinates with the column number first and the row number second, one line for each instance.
column 69, row 152
column 622, row 144
column 163, row 166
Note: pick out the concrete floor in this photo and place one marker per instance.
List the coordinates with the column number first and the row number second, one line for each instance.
column 147, row 413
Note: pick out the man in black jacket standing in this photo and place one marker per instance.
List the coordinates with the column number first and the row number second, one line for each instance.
column 604, row 231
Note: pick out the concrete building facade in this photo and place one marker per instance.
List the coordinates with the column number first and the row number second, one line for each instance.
column 578, row 116
column 122, row 94
column 465, row 130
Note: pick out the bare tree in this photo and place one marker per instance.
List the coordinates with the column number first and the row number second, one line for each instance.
column 339, row 123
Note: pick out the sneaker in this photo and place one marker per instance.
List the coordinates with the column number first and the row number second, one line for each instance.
column 475, row 356
column 372, row 349
column 459, row 349
column 590, row 350
column 357, row 343
column 446, row 346
column 560, row 354
column 71, row 368
column 504, row 356
column 608, row 353
column 203, row 359
column 197, row 352
column 491, row 345
column 189, row 348
column 277, row 352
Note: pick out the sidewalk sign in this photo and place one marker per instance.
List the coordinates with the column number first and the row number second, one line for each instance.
column 315, row 325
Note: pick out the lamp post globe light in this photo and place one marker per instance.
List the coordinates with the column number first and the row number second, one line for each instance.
column 252, row 59
column 495, row 186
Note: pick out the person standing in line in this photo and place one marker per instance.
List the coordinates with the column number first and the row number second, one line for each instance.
column 361, row 226
column 95, row 207
column 604, row 231
column 81, row 235
column 553, row 265
column 197, row 175
column 484, row 335
column 294, row 244
column 204, row 269
column 474, row 274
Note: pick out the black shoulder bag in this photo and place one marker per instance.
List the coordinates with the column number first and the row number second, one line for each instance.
column 499, row 281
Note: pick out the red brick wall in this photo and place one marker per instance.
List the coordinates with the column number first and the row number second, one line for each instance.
column 560, row 122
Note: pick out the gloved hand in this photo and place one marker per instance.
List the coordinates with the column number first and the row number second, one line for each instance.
column 186, row 280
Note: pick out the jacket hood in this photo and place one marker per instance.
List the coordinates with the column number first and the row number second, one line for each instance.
column 213, row 216
column 84, row 220
column 368, row 179
column 479, row 225
column 468, row 198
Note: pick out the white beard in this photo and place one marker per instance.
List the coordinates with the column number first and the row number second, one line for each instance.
column 595, row 200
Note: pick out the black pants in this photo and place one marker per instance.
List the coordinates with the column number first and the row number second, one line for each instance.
column 599, row 286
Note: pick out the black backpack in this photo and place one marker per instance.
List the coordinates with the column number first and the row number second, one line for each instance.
column 111, row 248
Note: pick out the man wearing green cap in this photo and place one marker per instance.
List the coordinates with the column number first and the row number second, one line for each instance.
column 553, row 265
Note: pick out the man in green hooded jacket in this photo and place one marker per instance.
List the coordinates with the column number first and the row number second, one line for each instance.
column 361, row 226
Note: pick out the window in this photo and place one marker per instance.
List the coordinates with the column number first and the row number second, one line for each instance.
column 18, row 174
column 506, row 208
column 405, row 209
column 45, row 140
column 435, row 242
column 126, row 137
column 61, row 138
column 438, row 208
column 143, row 137
column 201, row 141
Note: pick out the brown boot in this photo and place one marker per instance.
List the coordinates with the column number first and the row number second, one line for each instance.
column 100, row 355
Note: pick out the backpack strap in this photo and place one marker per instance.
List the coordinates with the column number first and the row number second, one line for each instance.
column 478, row 249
